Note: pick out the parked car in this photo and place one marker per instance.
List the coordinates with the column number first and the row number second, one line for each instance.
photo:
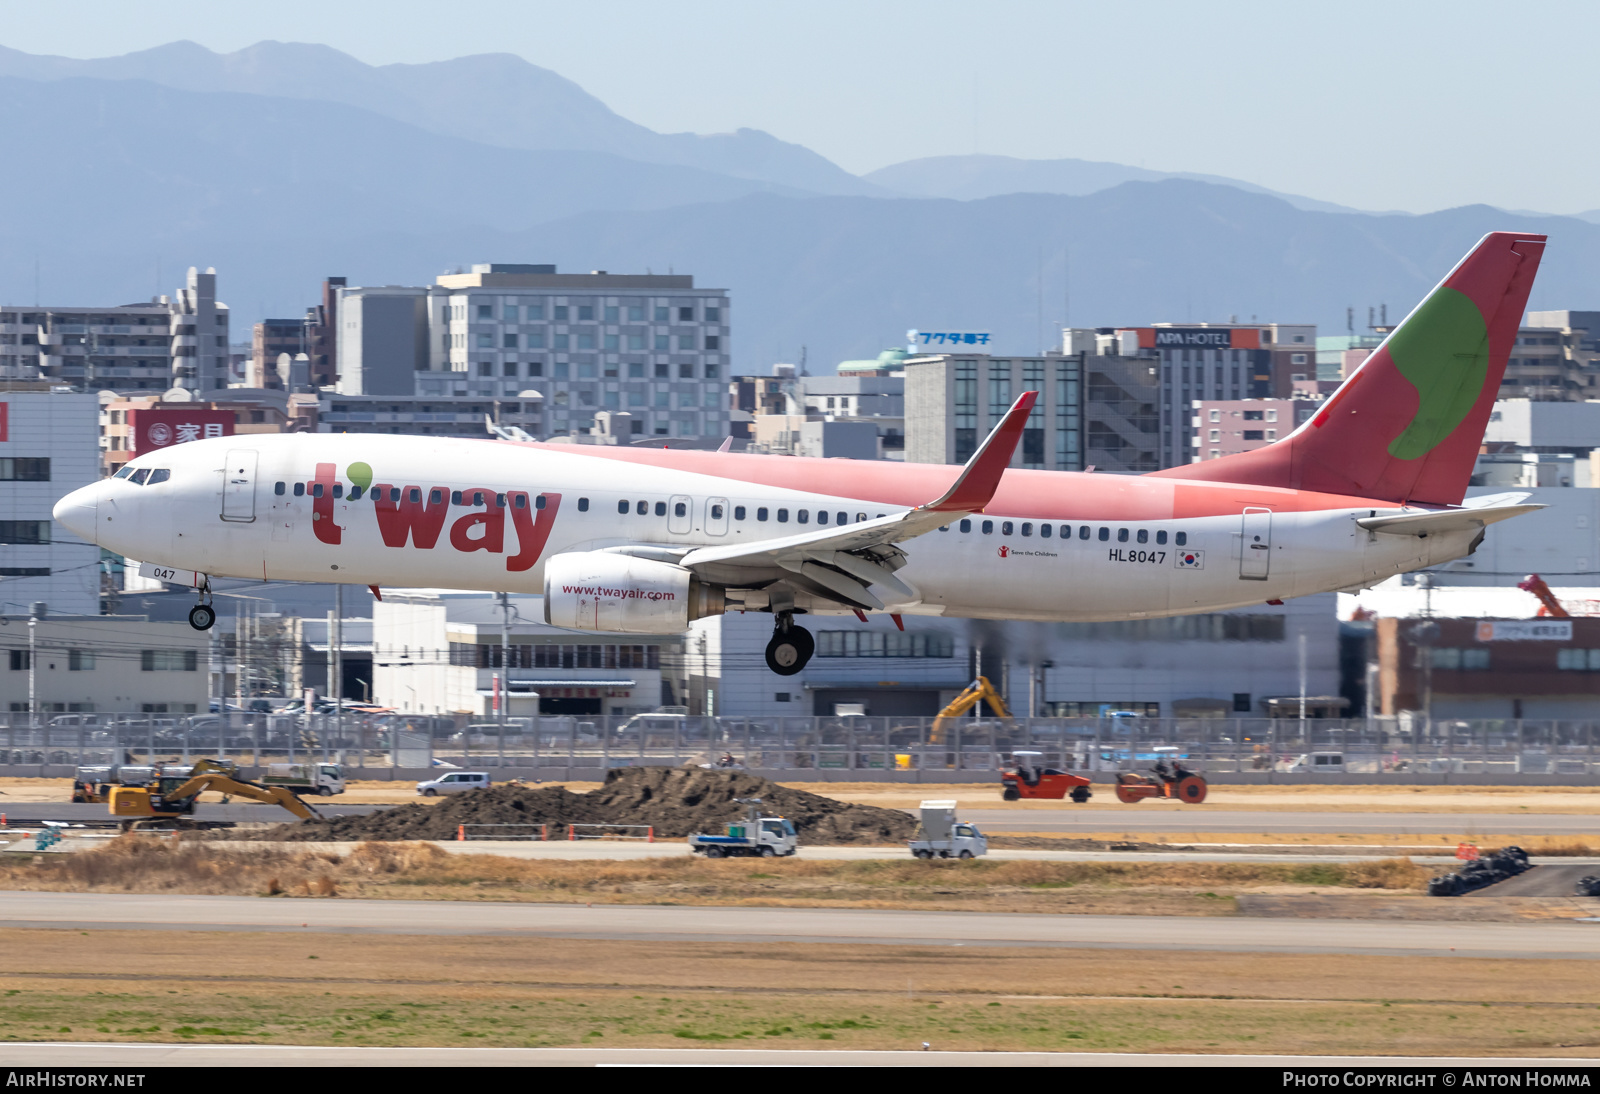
column 457, row 782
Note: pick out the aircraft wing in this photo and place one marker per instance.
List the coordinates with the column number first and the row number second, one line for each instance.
column 1448, row 520
column 842, row 562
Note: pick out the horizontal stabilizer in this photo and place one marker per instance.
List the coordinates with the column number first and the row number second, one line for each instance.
column 1446, row 520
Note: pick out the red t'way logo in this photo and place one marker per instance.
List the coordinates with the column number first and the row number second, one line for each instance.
column 418, row 514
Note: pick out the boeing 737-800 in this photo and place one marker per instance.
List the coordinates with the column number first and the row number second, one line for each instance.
column 632, row 540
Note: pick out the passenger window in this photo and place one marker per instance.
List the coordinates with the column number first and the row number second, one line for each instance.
column 643, row 509
column 1027, row 529
column 583, row 505
column 1122, row 535
column 277, row 487
column 622, row 507
column 822, row 516
column 338, row 489
column 499, row 501
column 299, row 489
column 783, row 516
column 455, row 497
column 1005, row 527
column 160, row 474
column 316, row 490
column 761, row 514
column 738, row 512
column 716, row 512
column 860, row 517
column 987, row 527
column 661, row 508
column 1083, row 531
column 477, row 497
column 1161, row 537
column 522, row 501
column 436, row 496
column 679, row 509
column 841, row 518
column 966, row 526
column 1181, row 539
column 1105, row 534
column 355, row 493
column 803, row 516
column 415, row 495
column 1044, row 531
column 539, row 502
column 1143, row 536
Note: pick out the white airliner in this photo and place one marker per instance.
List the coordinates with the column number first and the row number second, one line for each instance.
column 634, row 540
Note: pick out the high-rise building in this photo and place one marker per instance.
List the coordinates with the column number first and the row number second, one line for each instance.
column 953, row 400
column 176, row 341
column 653, row 346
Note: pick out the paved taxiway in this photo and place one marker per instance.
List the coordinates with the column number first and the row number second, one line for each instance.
column 1067, row 820
column 133, row 1056
column 136, row 911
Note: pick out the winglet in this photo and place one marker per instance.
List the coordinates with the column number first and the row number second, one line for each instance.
column 981, row 477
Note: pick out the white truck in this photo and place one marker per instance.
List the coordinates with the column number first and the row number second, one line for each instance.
column 754, row 835
column 325, row 780
column 940, row 835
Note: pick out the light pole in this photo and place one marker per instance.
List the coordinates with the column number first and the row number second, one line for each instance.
column 34, row 611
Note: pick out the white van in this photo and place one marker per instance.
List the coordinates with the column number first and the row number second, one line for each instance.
column 1318, row 763
column 457, row 782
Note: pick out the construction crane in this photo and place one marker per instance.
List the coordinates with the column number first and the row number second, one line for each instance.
column 174, row 796
column 979, row 691
column 1550, row 607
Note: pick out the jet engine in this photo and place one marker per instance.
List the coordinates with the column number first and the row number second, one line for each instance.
column 602, row 591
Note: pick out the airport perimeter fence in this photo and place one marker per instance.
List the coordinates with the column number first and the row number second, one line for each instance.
column 575, row 748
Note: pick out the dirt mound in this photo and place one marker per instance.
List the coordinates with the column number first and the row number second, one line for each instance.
column 675, row 800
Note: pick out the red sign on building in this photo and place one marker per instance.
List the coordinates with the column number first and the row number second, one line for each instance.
column 149, row 430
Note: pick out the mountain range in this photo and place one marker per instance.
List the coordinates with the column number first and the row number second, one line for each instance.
column 283, row 163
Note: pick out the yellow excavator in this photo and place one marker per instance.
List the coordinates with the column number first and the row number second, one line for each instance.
column 172, row 796
column 979, row 691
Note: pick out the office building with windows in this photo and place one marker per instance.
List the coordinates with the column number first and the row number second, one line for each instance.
column 49, row 441
column 653, row 346
column 1222, row 427
column 952, row 401
column 176, row 341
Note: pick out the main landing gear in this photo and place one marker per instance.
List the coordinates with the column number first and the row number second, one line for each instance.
column 203, row 616
column 791, row 646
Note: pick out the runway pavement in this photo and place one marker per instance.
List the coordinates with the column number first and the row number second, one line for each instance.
column 130, row 911
column 1202, row 818
column 130, row 1057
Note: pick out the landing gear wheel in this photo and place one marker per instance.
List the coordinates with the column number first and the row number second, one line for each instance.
column 791, row 647
column 202, row 617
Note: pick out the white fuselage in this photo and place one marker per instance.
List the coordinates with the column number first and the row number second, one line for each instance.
column 230, row 507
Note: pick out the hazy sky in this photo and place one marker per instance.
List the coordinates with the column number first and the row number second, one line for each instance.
column 1393, row 105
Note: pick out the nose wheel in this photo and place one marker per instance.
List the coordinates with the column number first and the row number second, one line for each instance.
column 791, row 647
column 202, row 617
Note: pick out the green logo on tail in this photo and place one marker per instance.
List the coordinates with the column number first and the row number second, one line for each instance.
column 1444, row 351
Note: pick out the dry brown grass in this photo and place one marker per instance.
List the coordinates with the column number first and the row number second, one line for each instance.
column 379, row 990
column 423, row 870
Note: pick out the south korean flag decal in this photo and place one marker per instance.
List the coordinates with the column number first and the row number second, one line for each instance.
column 1190, row 560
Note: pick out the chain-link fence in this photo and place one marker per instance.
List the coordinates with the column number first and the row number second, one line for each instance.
column 581, row 747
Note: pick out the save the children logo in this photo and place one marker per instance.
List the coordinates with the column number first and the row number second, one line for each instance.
column 1005, row 551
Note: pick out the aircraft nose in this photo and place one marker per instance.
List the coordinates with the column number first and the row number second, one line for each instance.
column 76, row 511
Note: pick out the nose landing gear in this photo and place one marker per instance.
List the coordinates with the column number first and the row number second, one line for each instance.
column 791, row 646
column 203, row 616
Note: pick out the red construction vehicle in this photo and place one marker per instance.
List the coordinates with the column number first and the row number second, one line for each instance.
column 1549, row 606
column 1032, row 780
column 1175, row 781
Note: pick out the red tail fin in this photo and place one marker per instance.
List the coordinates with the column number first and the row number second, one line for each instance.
column 1408, row 424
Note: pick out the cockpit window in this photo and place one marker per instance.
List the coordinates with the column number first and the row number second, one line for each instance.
column 160, row 474
column 123, row 473
column 139, row 476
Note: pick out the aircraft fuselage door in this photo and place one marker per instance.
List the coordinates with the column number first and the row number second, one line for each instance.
column 716, row 516
column 1255, row 548
column 239, row 485
column 680, row 514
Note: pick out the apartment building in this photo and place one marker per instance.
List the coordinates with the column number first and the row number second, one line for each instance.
column 1223, row 427
column 653, row 346
column 952, row 401
column 427, row 414
column 176, row 341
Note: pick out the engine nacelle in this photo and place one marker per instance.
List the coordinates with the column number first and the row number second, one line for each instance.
column 601, row 591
